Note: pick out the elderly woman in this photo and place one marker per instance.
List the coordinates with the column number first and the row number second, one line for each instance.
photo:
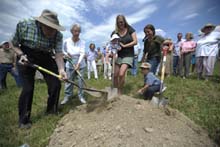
column 186, row 48
column 207, row 50
column 74, row 48
column 127, row 39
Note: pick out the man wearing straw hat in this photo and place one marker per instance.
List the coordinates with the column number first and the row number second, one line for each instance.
column 35, row 41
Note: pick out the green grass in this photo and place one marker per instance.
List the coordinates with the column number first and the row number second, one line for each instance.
column 197, row 99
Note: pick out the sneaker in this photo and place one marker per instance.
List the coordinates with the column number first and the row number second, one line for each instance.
column 164, row 88
column 64, row 101
column 24, row 126
column 110, row 78
column 82, row 99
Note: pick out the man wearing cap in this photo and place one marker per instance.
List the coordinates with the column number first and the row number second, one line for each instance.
column 7, row 64
column 35, row 40
column 151, row 82
column 207, row 50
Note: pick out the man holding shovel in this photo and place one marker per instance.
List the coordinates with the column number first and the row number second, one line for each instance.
column 35, row 41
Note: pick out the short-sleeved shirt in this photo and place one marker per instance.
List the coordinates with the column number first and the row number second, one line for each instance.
column 188, row 46
column 28, row 33
column 153, row 47
column 151, row 80
column 7, row 56
column 176, row 51
column 127, row 38
column 76, row 50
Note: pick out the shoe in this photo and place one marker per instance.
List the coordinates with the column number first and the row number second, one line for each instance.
column 164, row 88
column 25, row 126
column 82, row 99
column 110, row 78
column 64, row 101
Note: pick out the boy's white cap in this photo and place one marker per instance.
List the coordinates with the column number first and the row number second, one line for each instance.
column 114, row 36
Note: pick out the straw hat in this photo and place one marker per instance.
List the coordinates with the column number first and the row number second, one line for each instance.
column 145, row 65
column 114, row 36
column 50, row 19
column 206, row 26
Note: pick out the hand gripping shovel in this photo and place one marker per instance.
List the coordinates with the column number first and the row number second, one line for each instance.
column 77, row 71
column 93, row 92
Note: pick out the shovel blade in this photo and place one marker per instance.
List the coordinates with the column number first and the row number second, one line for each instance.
column 112, row 92
column 159, row 102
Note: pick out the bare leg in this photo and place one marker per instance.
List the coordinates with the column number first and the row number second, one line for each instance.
column 116, row 75
column 122, row 72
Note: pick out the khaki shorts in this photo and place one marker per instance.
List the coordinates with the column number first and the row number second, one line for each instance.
column 125, row 60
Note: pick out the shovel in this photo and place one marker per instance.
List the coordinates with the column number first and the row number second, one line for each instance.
column 161, row 101
column 77, row 71
column 112, row 92
column 93, row 92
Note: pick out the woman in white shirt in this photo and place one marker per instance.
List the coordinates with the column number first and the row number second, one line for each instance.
column 207, row 50
column 74, row 48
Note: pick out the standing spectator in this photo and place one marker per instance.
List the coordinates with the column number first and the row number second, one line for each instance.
column 151, row 82
column 186, row 48
column 99, row 60
column 128, row 39
column 8, row 64
column 91, row 64
column 137, row 50
column 207, row 50
column 34, row 42
column 107, row 63
column 152, row 47
column 74, row 48
column 176, row 55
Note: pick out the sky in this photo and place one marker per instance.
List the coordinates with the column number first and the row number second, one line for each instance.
column 97, row 17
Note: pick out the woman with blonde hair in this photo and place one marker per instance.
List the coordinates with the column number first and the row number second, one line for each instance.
column 186, row 49
column 127, row 40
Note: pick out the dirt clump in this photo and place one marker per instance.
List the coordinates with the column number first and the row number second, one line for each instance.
column 127, row 122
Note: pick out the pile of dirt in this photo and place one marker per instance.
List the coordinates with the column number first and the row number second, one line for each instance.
column 127, row 122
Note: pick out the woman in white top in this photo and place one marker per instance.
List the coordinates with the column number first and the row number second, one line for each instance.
column 74, row 48
column 207, row 50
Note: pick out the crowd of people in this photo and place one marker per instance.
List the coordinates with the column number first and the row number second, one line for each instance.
column 40, row 41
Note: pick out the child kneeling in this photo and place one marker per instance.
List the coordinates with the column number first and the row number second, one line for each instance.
column 151, row 82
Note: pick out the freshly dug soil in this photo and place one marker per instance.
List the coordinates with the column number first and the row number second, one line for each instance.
column 127, row 122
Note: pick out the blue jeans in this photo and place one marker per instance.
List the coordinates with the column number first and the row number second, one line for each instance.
column 176, row 63
column 149, row 93
column 68, row 89
column 134, row 66
column 4, row 69
column 154, row 61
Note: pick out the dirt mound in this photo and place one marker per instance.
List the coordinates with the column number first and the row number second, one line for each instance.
column 127, row 122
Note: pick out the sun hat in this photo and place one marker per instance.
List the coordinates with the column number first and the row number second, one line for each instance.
column 4, row 42
column 145, row 65
column 50, row 19
column 114, row 36
column 206, row 26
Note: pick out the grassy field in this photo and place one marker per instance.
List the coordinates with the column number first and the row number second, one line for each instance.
column 197, row 99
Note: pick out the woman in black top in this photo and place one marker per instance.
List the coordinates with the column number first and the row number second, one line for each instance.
column 128, row 39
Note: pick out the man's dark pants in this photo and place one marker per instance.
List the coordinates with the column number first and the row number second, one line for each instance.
column 27, row 73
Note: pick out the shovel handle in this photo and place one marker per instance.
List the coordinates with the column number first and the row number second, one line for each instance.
column 47, row 71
